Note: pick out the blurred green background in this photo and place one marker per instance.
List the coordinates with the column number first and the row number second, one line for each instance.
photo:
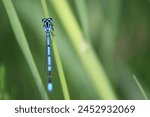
column 115, row 40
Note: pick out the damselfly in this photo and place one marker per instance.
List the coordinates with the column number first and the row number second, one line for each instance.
column 48, row 27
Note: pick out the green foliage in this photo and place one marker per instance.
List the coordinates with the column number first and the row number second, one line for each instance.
column 22, row 41
column 2, row 83
column 140, row 88
column 3, row 93
column 98, row 46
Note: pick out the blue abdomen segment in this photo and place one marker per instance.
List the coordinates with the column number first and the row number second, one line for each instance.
column 49, row 60
column 50, row 87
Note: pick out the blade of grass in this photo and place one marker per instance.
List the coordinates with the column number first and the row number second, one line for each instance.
column 57, row 58
column 3, row 93
column 83, row 16
column 140, row 88
column 84, row 50
column 22, row 41
column 2, row 83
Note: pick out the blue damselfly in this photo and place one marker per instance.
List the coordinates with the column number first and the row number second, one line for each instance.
column 48, row 27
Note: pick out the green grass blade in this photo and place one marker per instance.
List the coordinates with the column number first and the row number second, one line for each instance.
column 2, row 83
column 140, row 88
column 22, row 41
column 83, row 16
column 3, row 93
column 61, row 73
column 85, row 52
column 45, row 9
column 57, row 59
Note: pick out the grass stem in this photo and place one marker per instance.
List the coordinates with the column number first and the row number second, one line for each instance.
column 85, row 52
column 140, row 88
column 57, row 58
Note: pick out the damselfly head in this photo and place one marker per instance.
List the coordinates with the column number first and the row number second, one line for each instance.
column 47, row 23
column 45, row 19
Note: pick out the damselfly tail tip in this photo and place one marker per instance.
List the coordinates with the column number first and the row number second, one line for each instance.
column 50, row 87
